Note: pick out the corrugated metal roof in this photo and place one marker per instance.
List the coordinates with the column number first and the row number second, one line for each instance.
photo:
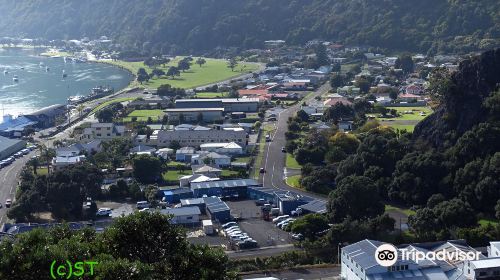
column 225, row 184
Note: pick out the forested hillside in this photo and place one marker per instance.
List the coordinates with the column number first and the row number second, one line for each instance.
column 197, row 25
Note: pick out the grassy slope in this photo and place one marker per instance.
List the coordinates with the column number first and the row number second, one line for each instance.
column 215, row 70
column 109, row 102
column 291, row 162
column 293, row 181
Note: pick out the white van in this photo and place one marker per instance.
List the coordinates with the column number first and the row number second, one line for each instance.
column 142, row 204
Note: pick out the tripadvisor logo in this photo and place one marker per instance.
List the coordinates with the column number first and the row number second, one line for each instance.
column 387, row 255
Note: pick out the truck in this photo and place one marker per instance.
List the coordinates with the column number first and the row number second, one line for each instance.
column 208, row 227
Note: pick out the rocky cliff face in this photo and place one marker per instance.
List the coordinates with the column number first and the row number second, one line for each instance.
column 462, row 105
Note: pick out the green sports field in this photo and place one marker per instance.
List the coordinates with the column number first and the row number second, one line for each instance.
column 143, row 115
column 213, row 71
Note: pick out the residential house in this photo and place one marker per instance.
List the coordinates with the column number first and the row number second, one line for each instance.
column 142, row 150
column 215, row 159
column 223, row 148
column 184, row 154
column 206, row 170
column 64, row 161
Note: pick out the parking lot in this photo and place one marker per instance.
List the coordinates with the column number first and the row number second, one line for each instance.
column 264, row 232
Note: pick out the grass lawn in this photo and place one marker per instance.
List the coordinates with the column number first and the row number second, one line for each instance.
column 291, row 162
column 215, row 70
column 414, row 116
column 42, row 171
column 485, row 221
column 210, row 94
column 109, row 102
column 175, row 164
column 229, row 173
column 408, row 127
column 406, row 211
column 52, row 53
column 174, row 175
column 243, row 159
column 293, row 181
column 143, row 115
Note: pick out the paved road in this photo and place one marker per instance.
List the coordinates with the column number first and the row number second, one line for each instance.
column 326, row 273
column 274, row 158
column 9, row 181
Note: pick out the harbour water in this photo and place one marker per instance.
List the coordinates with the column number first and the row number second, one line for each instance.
column 40, row 80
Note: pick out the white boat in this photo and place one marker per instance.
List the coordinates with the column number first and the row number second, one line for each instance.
column 64, row 75
column 75, row 99
column 47, row 69
column 5, row 72
column 15, row 79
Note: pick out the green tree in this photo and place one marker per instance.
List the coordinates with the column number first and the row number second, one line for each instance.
column 142, row 75
column 309, row 225
column 356, row 197
column 183, row 65
column 173, row 72
column 406, row 63
column 232, row 63
column 146, row 168
column 200, row 61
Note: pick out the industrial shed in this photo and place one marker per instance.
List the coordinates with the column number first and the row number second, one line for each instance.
column 10, row 146
column 228, row 188
column 217, row 209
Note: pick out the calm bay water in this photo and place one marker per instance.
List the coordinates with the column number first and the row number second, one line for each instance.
column 38, row 88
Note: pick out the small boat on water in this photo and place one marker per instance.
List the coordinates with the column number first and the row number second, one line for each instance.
column 47, row 69
column 22, row 68
column 15, row 79
column 5, row 72
column 64, row 75
column 41, row 64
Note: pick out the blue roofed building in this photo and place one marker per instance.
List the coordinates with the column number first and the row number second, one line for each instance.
column 175, row 195
column 237, row 188
column 217, row 209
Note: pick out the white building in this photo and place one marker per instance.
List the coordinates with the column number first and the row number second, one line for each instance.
column 195, row 137
column 103, row 131
column 223, row 148
column 63, row 161
column 218, row 160
column 358, row 262
column 183, row 215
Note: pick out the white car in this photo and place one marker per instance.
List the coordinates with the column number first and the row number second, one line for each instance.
column 280, row 218
column 231, row 227
column 228, row 225
column 284, row 221
column 104, row 212
column 144, row 210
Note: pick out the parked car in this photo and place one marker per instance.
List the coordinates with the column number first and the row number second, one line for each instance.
column 262, row 170
column 260, row 202
column 25, row 151
column 247, row 244
column 18, row 155
column 283, row 150
column 298, row 236
column 8, row 202
column 231, row 228
column 230, row 224
column 142, row 204
column 268, row 138
column 102, row 212
column 280, row 224
column 280, row 218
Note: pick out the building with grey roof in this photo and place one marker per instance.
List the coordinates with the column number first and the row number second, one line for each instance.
column 46, row 117
column 358, row 262
column 217, row 209
column 183, row 215
column 226, row 188
column 195, row 114
column 228, row 104
column 10, row 146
